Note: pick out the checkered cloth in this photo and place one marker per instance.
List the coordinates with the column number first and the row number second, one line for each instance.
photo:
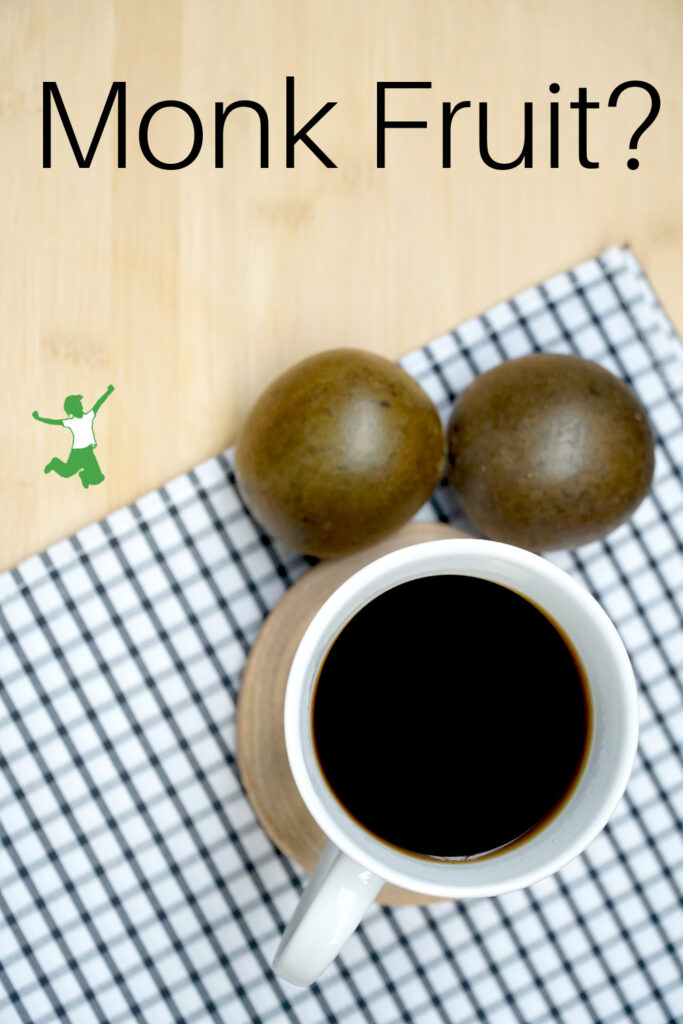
column 135, row 882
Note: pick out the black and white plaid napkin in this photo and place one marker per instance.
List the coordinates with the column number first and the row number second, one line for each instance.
column 135, row 882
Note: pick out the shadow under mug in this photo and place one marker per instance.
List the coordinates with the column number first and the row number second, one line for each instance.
column 355, row 864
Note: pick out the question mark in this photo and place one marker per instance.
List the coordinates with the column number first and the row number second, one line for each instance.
column 655, row 105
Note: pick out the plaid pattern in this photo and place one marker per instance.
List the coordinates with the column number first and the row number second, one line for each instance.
column 135, row 883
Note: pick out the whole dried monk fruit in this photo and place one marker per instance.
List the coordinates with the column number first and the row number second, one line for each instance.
column 549, row 451
column 338, row 452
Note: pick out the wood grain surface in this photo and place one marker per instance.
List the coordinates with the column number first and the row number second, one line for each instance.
column 190, row 290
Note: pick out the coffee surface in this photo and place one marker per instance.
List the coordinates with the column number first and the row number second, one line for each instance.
column 450, row 717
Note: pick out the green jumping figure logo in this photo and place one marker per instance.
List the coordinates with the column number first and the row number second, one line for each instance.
column 82, row 456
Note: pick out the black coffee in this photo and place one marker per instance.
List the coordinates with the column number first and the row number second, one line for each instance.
column 450, row 717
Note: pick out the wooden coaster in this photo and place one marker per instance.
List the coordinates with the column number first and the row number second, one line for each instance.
column 261, row 751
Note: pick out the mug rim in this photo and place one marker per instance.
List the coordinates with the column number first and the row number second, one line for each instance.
column 402, row 868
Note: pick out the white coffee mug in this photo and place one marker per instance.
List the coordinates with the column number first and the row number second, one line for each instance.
column 355, row 864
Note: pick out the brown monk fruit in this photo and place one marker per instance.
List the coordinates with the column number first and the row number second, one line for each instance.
column 549, row 451
column 339, row 451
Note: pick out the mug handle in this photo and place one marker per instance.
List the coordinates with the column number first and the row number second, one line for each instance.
column 337, row 895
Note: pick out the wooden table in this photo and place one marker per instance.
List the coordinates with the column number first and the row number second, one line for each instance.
column 190, row 289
